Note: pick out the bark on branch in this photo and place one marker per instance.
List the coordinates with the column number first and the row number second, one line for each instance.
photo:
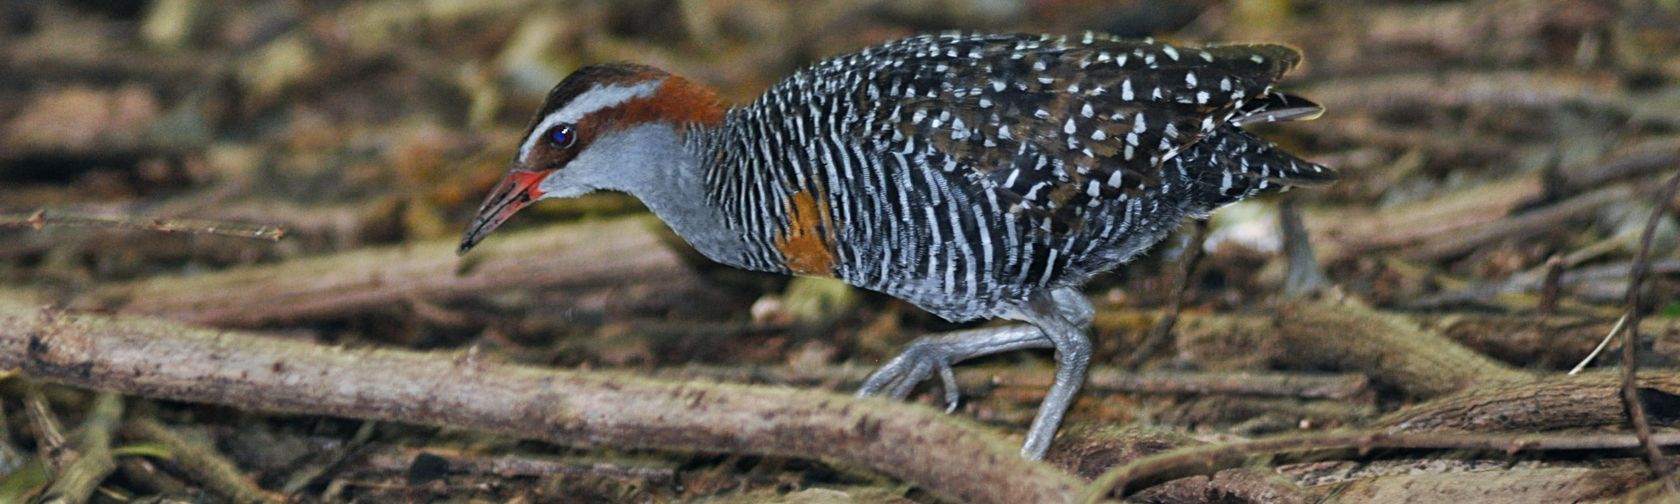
column 148, row 357
column 1552, row 402
column 1201, row 459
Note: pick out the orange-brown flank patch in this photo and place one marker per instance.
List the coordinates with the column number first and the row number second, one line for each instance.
column 807, row 245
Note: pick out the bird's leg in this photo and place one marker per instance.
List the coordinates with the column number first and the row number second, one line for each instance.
column 937, row 352
column 1073, row 356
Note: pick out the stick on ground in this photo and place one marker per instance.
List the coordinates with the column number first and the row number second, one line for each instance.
column 40, row 219
column 78, row 480
column 948, row 456
column 1630, row 347
column 209, row 468
column 1207, row 458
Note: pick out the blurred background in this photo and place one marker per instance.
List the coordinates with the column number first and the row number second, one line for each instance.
column 1478, row 140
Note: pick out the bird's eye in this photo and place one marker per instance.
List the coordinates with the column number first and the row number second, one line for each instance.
column 561, row 136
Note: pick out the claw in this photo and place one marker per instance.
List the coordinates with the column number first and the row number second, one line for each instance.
column 899, row 376
column 952, row 395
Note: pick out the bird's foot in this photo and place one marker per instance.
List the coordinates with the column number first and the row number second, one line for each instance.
column 918, row 362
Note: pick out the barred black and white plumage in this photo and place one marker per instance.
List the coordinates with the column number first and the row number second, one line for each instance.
column 974, row 175
column 963, row 172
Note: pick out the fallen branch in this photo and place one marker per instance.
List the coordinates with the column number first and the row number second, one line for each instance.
column 566, row 258
column 1553, row 402
column 1204, row 459
column 948, row 456
column 40, row 219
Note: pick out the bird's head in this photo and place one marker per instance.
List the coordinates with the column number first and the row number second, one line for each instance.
column 581, row 139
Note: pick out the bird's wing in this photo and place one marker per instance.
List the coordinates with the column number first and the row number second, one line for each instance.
column 1051, row 125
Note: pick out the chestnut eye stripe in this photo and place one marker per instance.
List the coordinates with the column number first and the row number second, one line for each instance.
column 584, row 104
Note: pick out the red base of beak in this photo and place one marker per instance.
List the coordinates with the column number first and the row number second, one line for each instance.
column 516, row 191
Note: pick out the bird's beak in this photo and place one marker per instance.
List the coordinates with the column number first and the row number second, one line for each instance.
column 517, row 190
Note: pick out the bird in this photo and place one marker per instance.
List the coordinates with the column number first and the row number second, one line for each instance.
column 973, row 175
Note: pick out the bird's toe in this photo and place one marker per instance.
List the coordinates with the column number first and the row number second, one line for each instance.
column 952, row 393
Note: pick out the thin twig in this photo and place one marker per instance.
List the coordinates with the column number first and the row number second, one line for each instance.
column 40, row 219
column 1552, row 286
column 1630, row 346
column 201, row 462
column 144, row 476
column 1305, row 273
column 1161, row 335
column 78, row 480
column 1608, row 337
column 10, row 456
column 1202, row 459
column 949, row 456
column 49, row 433
column 323, row 467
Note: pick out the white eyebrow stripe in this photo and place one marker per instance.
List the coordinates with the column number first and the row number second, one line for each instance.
column 587, row 103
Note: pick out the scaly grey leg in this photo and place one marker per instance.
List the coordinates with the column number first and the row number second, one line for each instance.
column 937, row 352
column 1067, row 313
column 1073, row 356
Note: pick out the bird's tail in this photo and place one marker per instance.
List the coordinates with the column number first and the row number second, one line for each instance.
column 1277, row 107
column 1233, row 164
